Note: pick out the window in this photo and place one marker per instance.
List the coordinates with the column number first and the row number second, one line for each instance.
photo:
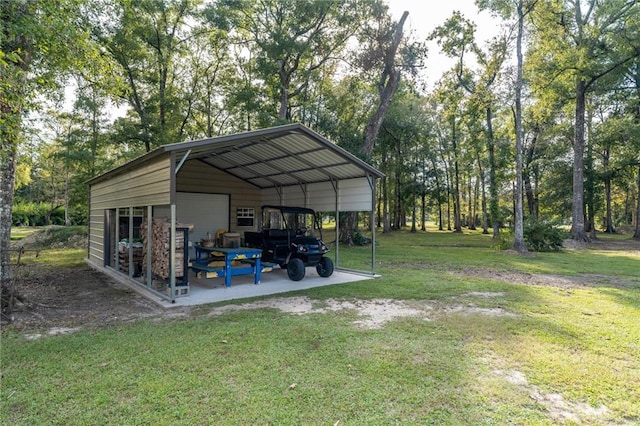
column 245, row 216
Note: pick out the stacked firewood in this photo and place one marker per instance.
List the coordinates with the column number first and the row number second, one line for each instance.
column 161, row 247
column 123, row 253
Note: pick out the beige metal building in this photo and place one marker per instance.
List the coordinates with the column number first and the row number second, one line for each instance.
column 219, row 184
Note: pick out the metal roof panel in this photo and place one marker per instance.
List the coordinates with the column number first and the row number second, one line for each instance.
column 282, row 155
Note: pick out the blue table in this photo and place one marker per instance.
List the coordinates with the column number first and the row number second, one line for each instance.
column 252, row 256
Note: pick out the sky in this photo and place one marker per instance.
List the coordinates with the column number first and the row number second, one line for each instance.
column 426, row 15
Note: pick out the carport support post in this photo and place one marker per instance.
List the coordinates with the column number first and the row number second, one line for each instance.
column 116, row 245
column 336, row 189
column 130, row 240
column 149, row 245
column 172, row 254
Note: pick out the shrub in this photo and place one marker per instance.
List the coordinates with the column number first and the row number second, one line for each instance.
column 359, row 239
column 504, row 240
column 62, row 234
column 538, row 236
column 542, row 235
column 29, row 214
column 35, row 214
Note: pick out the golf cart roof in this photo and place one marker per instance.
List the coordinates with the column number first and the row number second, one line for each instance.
column 286, row 209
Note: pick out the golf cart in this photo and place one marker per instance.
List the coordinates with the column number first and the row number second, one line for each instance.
column 292, row 238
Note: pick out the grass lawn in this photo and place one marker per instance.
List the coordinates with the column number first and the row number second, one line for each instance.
column 485, row 349
column 20, row 232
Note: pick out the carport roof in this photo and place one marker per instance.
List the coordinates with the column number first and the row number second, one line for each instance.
column 285, row 155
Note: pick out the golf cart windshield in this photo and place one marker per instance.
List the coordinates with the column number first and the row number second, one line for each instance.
column 294, row 218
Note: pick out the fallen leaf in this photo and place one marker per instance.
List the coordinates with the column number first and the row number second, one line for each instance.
column 293, row 385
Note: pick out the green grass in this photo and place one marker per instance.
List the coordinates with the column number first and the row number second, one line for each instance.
column 267, row 367
column 19, row 232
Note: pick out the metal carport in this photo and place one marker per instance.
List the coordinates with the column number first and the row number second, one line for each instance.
column 288, row 164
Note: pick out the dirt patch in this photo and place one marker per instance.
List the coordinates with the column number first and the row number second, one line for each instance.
column 628, row 244
column 561, row 281
column 65, row 300
column 372, row 314
column 487, row 294
column 469, row 310
column 556, row 405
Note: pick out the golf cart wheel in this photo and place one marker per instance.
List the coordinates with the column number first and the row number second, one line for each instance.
column 325, row 267
column 295, row 269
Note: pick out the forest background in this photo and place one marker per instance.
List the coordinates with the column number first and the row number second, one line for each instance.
column 540, row 123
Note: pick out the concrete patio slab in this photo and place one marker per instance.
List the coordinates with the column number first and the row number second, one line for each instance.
column 211, row 290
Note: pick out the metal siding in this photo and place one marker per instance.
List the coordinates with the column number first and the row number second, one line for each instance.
column 355, row 195
column 146, row 185
column 322, row 197
column 293, row 196
column 96, row 236
column 270, row 197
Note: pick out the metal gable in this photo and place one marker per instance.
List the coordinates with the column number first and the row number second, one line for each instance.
column 278, row 156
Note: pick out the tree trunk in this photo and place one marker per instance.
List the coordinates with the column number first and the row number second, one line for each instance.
column 12, row 99
column 526, row 176
column 609, row 229
column 607, row 192
column 494, row 206
column 518, row 233
column 379, row 208
column 439, row 192
column 423, row 209
column 385, row 203
column 413, row 214
column 577, row 209
column 457, row 223
column 448, row 211
column 483, row 196
column 476, row 192
column 387, row 87
column 285, row 78
column 284, row 104
column 637, row 233
column 589, row 183
column 397, row 208
column 7, row 176
column 385, row 195
column 347, row 227
column 469, row 195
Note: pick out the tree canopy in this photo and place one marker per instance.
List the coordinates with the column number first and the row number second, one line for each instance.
column 541, row 123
